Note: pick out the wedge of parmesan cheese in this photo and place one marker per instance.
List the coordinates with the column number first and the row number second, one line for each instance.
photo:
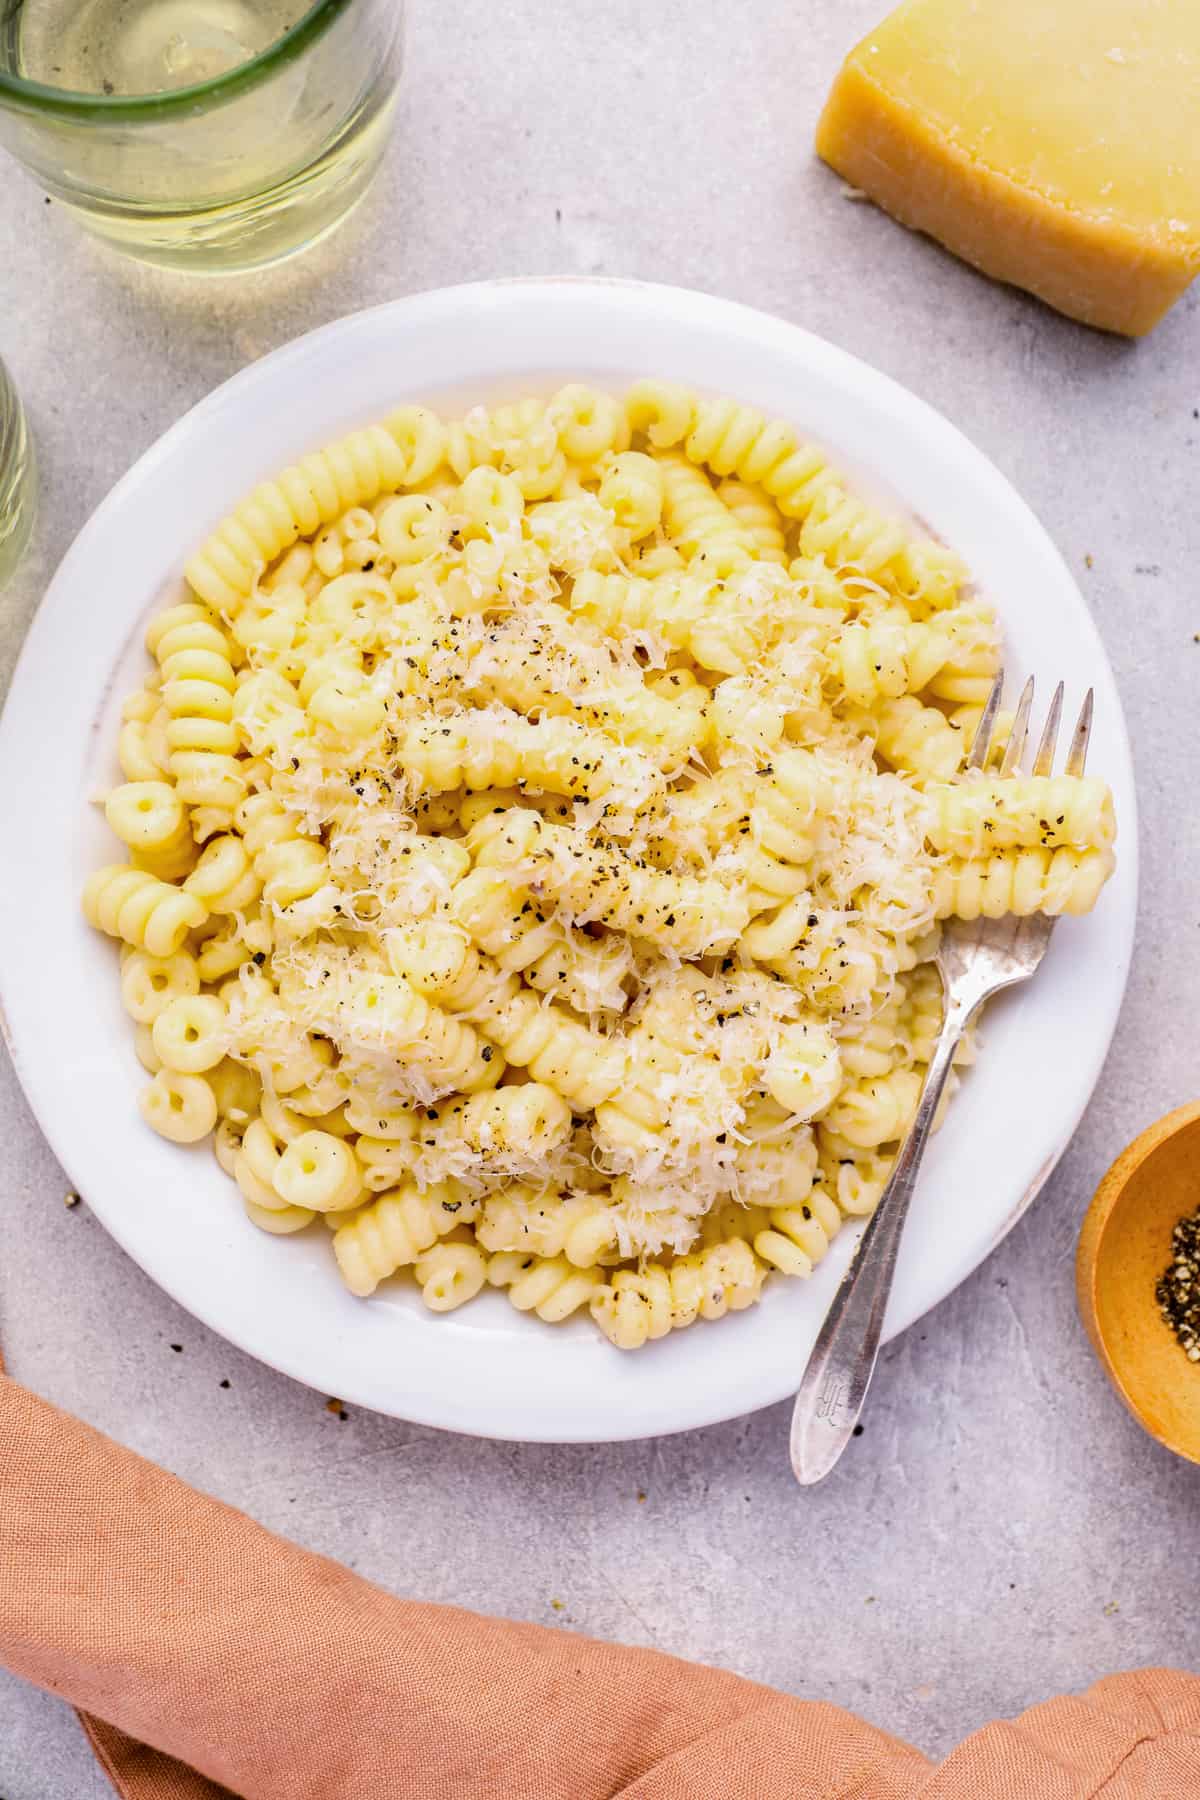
column 1052, row 143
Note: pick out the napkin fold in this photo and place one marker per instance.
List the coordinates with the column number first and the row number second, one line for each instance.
column 211, row 1658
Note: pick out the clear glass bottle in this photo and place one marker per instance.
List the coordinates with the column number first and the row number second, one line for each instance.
column 17, row 482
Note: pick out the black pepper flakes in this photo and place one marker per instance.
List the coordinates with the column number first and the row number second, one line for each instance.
column 1178, row 1290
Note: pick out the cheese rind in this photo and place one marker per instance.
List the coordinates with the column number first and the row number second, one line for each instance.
column 1053, row 147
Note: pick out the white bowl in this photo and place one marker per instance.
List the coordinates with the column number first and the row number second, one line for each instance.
column 486, row 1369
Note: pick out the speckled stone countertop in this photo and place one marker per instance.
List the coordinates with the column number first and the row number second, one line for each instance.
column 1002, row 1529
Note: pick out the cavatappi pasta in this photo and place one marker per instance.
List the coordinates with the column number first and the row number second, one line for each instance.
column 535, row 829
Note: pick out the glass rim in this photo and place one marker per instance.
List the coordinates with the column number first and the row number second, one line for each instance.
column 76, row 103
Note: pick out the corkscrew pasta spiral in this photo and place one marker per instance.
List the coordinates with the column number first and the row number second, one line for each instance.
column 395, row 1230
column 632, row 488
column 795, row 1238
column 290, row 867
column 528, row 1221
column 972, row 818
column 310, row 494
column 1022, row 882
column 759, row 518
column 385, row 1014
column 450, row 1273
column 528, row 940
column 197, row 691
column 551, row 1287
column 590, row 424
column 680, row 608
column 875, row 1111
column 535, row 1035
column 917, row 739
column 514, row 1125
column 639, row 1305
column 480, row 750
column 696, row 518
column 602, row 882
column 151, row 820
column 225, row 878
column 148, row 913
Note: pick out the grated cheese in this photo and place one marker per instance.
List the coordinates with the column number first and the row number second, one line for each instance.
column 562, row 803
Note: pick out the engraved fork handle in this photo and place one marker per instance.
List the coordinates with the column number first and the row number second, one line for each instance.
column 838, row 1373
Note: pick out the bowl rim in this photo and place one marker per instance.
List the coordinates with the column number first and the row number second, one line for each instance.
column 486, row 305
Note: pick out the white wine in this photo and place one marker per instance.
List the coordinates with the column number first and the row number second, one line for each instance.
column 264, row 160
column 144, row 46
column 16, row 478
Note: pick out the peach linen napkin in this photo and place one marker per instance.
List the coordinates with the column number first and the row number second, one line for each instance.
column 209, row 1657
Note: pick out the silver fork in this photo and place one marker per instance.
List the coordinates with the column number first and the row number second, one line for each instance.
column 975, row 960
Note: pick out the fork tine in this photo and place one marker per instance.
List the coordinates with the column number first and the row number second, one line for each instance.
column 1043, row 762
column 983, row 736
column 1077, row 755
column 1020, row 731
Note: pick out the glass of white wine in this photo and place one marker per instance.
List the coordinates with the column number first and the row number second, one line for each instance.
column 17, row 479
column 215, row 135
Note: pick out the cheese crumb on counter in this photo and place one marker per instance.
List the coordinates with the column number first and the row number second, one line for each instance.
column 1054, row 147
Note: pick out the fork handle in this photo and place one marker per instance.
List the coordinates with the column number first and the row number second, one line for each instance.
column 838, row 1373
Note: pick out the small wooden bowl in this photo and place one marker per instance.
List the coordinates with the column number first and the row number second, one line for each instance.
column 1124, row 1249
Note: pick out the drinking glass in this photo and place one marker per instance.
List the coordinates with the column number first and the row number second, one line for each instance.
column 213, row 135
column 16, row 478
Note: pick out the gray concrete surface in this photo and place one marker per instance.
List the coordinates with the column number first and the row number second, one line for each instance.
column 1002, row 1529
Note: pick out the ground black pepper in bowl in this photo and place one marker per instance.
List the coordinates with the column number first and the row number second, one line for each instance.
column 1178, row 1292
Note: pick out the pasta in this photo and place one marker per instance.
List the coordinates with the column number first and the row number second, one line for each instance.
column 134, row 905
column 1021, row 882
column 197, row 693
column 536, row 831
column 450, row 1273
column 979, row 817
column 551, row 1287
column 528, row 1221
column 636, row 1305
column 395, row 1230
